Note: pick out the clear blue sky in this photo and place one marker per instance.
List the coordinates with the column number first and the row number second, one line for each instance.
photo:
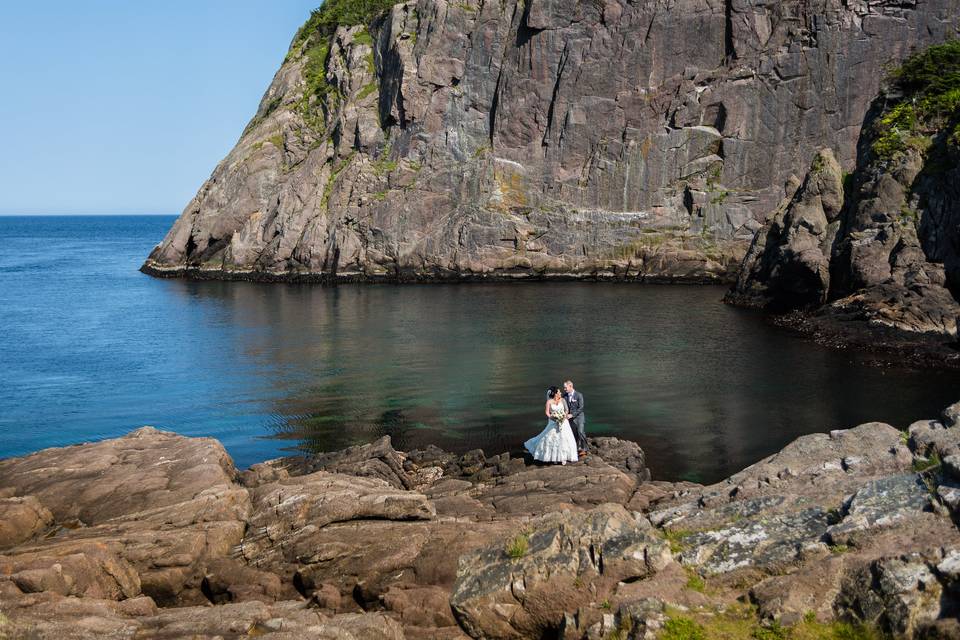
column 122, row 106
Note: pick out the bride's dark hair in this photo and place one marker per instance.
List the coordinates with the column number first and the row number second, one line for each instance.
column 552, row 391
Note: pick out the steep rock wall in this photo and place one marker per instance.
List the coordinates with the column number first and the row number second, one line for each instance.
column 891, row 255
column 602, row 138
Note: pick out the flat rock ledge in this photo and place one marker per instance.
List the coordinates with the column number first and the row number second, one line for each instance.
column 155, row 535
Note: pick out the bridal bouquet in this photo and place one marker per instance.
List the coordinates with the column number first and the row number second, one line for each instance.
column 558, row 416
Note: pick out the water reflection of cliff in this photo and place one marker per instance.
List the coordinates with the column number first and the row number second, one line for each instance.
column 705, row 389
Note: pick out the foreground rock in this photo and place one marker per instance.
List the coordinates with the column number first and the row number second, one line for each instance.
column 523, row 588
column 376, row 543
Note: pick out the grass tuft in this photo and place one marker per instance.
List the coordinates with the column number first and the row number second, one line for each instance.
column 518, row 546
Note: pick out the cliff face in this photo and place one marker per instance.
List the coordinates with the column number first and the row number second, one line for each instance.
column 885, row 249
column 548, row 137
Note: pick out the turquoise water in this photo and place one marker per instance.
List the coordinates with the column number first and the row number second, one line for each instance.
column 91, row 348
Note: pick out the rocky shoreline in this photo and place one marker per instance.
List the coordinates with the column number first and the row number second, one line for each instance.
column 155, row 535
column 877, row 346
column 438, row 277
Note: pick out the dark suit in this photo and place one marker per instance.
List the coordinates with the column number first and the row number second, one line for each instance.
column 575, row 407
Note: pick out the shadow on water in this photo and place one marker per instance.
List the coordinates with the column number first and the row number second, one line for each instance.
column 268, row 369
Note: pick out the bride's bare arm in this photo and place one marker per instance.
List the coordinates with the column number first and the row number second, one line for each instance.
column 546, row 408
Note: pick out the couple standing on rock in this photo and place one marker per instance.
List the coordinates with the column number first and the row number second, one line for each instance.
column 557, row 442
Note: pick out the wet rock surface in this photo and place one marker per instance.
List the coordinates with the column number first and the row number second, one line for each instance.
column 856, row 525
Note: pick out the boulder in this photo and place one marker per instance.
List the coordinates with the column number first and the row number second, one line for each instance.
column 901, row 595
column 288, row 512
column 522, row 587
column 85, row 570
column 622, row 454
column 930, row 437
column 22, row 519
column 146, row 469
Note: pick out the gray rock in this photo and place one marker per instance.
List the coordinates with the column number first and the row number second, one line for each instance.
column 880, row 503
column 622, row 454
column 899, row 595
column 809, row 471
column 542, row 139
column 951, row 415
column 930, row 437
column 764, row 541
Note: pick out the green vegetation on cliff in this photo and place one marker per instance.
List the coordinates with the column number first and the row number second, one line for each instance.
column 314, row 39
column 324, row 20
column 925, row 100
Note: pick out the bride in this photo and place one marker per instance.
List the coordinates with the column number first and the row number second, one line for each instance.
column 555, row 443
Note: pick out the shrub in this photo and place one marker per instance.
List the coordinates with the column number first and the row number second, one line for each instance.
column 324, row 20
column 681, row 628
column 929, row 84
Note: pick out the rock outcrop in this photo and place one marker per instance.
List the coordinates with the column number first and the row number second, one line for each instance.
column 609, row 139
column 885, row 252
column 856, row 525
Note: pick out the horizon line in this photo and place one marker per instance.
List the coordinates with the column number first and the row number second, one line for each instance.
column 84, row 214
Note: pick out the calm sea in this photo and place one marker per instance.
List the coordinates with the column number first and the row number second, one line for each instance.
column 90, row 348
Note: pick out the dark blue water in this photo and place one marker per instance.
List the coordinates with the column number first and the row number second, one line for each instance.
column 90, row 348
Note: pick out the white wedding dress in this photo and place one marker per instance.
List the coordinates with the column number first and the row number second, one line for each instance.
column 553, row 444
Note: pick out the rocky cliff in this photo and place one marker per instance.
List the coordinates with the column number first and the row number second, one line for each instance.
column 840, row 535
column 880, row 246
column 610, row 138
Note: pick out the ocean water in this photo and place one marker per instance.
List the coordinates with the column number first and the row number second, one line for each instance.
column 90, row 348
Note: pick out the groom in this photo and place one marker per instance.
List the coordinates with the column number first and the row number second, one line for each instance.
column 575, row 405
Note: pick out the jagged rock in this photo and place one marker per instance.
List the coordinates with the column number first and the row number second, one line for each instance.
column 901, row 595
column 919, row 308
column 229, row 580
column 528, row 139
column 880, row 503
column 160, row 507
column 788, row 264
column 499, row 595
column 951, row 415
column 622, row 454
column 21, row 519
column 375, row 460
column 930, row 437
